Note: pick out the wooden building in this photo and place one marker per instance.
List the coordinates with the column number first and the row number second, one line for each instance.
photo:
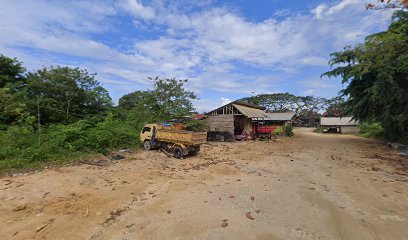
column 233, row 119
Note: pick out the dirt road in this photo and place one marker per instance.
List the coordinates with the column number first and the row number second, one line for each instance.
column 311, row 186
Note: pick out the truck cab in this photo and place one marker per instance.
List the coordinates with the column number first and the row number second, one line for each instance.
column 147, row 132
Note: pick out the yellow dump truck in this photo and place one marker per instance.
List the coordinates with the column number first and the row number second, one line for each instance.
column 171, row 140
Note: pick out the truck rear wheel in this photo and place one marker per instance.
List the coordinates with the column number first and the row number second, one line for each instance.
column 147, row 145
column 178, row 153
column 194, row 151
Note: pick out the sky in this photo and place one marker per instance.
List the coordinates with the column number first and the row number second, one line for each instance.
column 227, row 49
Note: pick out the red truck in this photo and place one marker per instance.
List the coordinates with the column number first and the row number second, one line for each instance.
column 262, row 131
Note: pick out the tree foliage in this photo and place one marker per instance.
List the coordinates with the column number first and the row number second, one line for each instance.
column 168, row 99
column 308, row 107
column 336, row 107
column 275, row 102
column 65, row 94
column 376, row 74
column 11, row 73
column 384, row 4
column 12, row 79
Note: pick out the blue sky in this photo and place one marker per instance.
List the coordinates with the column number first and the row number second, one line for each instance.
column 227, row 49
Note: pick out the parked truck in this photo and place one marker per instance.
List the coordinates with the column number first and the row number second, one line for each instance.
column 263, row 131
column 174, row 141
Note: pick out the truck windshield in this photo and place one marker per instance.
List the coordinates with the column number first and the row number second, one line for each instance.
column 146, row 129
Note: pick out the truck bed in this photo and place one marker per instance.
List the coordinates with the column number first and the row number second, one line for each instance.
column 264, row 129
column 182, row 137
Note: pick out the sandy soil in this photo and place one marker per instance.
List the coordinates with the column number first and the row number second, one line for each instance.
column 311, row 186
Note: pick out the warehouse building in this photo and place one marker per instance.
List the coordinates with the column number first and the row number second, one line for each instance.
column 339, row 124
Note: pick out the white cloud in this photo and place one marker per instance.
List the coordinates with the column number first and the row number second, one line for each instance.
column 319, row 11
column 138, row 10
column 225, row 101
column 209, row 46
column 309, row 92
column 317, row 61
column 317, row 83
column 207, row 105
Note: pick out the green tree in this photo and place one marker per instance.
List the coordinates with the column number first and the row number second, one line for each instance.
column 376, row 73
column 11, row 73
column 168, row 99
column 65, row 94
column 275, row 102
column 310, row 107
column 336, row 107
column 171, row 98
column 133, row 99
column 12, row 79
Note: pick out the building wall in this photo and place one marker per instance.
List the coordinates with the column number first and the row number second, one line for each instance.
column 221, row 123
column 349, row 129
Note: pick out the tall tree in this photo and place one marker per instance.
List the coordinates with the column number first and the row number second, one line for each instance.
column 336, row 107
column 133, row 99
column 310, row 107
column 11, row 80
column 168, row 99
column 274, row 102
column 171, row 97
column 65, row 94
column 11, row 72
column 376, row 73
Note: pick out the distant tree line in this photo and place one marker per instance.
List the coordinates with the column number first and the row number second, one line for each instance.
column 308, row 107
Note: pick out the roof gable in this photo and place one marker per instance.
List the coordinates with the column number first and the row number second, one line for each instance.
column 250, row 112
column 236, row 105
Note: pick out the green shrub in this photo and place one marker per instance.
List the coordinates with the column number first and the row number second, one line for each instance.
column 278, row 131
column 289, row 130
column 109, row 135
column 20, row 148
column 319, row 129
column 196, row 125
column 371, row 130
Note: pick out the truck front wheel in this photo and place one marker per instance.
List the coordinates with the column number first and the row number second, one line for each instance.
column 147, row 145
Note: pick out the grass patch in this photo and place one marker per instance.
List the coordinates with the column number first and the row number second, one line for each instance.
column 318, row 129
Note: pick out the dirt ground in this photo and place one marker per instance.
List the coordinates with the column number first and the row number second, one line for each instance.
column 311, row 186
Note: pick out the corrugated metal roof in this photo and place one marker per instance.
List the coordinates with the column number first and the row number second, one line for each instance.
column 338, row 121
column 246, row 104
column 250, row 112
column 280, row 116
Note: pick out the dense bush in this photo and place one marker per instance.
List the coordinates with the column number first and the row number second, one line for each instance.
column 196, row 125
column 371, row 130
column 21, row 147
column 110, row 134
column 278, row 131
column 289, row 130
